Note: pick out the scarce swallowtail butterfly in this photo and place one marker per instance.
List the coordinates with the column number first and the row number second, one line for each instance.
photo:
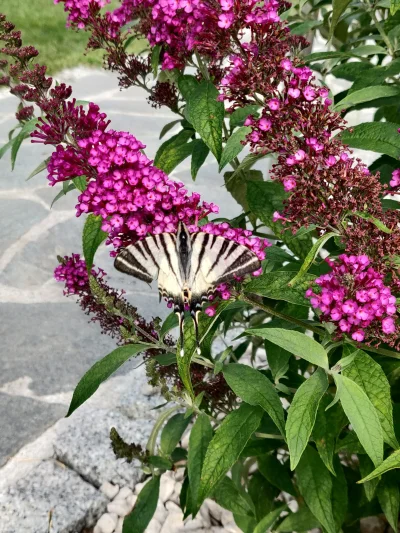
column 188, row 267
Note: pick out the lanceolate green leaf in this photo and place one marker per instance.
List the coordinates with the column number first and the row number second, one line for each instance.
column 101, row 371
column 174, row 151
column 276, row 473
column 172, row 432
column 310, row 258
column 365, row 95
column 315, row 485
column 26, row 130
column 380, row 225
column 394, row 6
column 392, row 462
column 366, row 467
column 80, row 183
column 381, row 137
column 363, row 417
column 224, row 449
column 255, row 389
column 268, row 521
column 42, row 166
column 302, row 413
column 234, row 146
column 199, row 155
column 389, row 499
column 228, row 496
column 239, row 115
column 187, row 84
column 207, row 115
column 145, row 507
column 368, row 374
column 302, row 520
column 275, row 285
column 206, row 325
column 200, row 437
column 327, row 427
column 339, row 494
column 296, row 343
column 92, row 237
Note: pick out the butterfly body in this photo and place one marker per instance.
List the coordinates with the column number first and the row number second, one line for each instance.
column 188, row 267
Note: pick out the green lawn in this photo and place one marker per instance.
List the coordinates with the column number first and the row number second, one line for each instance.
column 43, row 25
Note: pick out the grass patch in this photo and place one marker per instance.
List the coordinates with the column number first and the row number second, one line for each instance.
column 43, row 25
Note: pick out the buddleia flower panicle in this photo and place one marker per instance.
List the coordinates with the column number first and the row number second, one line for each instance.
column 353, row 296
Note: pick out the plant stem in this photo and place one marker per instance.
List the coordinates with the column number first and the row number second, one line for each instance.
column 380, row 28
column 269, row 436
column 278, row 314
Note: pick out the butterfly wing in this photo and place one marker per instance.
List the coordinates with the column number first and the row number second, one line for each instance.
column 154, row 258
column 217, row 260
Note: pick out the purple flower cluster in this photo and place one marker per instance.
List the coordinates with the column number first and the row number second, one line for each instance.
column 73, row 273
column 354, row 297
column 79, row 10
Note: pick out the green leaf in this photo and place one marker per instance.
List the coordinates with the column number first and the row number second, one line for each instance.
column 351, row 71
column 262, row 494
column 275, row 285
column 155, row 59
column 389, row 500
column 42, row 166
column 172, row 432
column 200, row 152
column 302, row 414
column 237, row 187
column 247, row 163
column 327, row 428
column 303, row 520
column 368, row 374
column 166, row 359
column 269, row 520
column 228, row 496
column 381, row 137
column 6, row 147
column 80, row 183
column 187, row 84
column 264, row 198
column 255, row 389
column 366, row 467
column 174, row 151
column 226, row 446
column 394, row 6
column 168, row 127
column 239, row 116
column 380, row 225
column 64, row 191
column 92, row 237
column 276, row 473
column 339, row 495
column 160, row 462
column 207, row 115
column 310, row 258
column 169, row 323
column 315, row 485
column 101, row 371
column 233, row 146
column 145, row 507
column 199, row 440
column 363, row 417
column 296, row 343
column 390, row 463
column 278, row 360
column 25, row 132
column 206, row 328
column 366, row 95
column 304, row 27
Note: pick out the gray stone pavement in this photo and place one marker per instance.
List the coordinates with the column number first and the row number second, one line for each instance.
column 46, row 341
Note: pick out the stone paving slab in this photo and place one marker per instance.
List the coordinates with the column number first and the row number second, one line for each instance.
column 50, row 498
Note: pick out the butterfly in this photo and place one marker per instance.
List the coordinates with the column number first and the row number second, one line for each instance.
column 188, row 267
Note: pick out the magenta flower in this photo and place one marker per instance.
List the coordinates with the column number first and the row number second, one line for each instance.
column 354, row 297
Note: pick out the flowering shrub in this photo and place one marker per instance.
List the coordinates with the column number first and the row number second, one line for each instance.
column 321, row 335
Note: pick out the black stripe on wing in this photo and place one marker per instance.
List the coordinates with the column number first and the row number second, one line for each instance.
column 245, row 263
column 138, row 262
